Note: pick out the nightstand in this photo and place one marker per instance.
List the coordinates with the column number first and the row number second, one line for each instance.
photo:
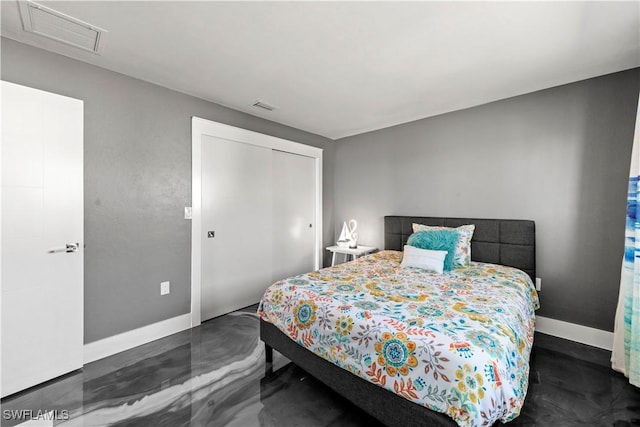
column 354, row 252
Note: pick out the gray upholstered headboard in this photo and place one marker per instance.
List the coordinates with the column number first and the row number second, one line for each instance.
column 509, row 242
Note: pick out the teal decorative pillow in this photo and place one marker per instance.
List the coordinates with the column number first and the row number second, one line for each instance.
column 462, row 256
column 437, row 240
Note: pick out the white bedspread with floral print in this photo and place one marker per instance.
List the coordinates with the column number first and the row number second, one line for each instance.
column 457, row 343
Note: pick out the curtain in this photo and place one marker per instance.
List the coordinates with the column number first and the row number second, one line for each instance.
column 626, row 336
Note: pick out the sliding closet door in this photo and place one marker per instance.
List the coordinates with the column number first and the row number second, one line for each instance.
column 257, row 215
column 236, row 220
column 294, row 211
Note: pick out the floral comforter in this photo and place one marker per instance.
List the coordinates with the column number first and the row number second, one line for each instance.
column 457, row 343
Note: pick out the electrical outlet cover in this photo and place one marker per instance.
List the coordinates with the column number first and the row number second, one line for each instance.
column 165, row 288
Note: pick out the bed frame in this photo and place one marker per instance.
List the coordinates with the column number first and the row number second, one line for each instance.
column 497, row 241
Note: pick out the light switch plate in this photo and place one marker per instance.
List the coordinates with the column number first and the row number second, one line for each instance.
column 188, row 214
column 538, row 284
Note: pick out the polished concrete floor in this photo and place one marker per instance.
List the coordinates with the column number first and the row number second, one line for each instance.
column 214, row 375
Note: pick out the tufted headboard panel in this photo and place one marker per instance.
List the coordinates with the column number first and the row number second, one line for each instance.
column 510, row 242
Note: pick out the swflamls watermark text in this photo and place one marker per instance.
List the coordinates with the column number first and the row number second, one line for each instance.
column 39, row 414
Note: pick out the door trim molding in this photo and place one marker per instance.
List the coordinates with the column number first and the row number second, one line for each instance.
column 201, row 127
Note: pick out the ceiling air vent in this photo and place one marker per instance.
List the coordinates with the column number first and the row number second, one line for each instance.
column 264, row 106
column 41, row 20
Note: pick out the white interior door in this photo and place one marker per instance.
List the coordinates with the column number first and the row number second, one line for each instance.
column 237, row 207
column 294, row 211
column 42, row 213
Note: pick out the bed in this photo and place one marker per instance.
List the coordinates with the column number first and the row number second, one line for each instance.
column 410, row 347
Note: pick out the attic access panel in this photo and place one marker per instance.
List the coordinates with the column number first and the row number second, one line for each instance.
column 46, row 22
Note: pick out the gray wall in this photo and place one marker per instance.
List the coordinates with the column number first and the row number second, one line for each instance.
column 559, row 156
column 137, row 161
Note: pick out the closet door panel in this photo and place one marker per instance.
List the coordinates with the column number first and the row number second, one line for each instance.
column 294, row 210
column 237, row 206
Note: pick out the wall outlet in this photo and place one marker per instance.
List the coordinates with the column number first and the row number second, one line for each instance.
column 188, row 212
column 165, row 288
column 538, row 284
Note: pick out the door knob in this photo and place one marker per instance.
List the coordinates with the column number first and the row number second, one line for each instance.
column 68, row 248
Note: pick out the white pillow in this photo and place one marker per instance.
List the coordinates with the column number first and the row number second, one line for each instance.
column 423, row 258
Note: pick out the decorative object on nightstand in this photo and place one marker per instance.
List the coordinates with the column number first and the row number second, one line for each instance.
column 347, row 238
column 354, row 252
column 354, row 241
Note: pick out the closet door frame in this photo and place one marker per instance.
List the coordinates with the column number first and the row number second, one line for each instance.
column 200, row 127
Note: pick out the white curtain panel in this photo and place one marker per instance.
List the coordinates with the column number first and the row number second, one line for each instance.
column 626, row 338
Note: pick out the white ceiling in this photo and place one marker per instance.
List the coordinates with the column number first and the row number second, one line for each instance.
column 343, row 68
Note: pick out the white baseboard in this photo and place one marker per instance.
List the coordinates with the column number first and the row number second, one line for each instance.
column 573, row 332
column 126, row 340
